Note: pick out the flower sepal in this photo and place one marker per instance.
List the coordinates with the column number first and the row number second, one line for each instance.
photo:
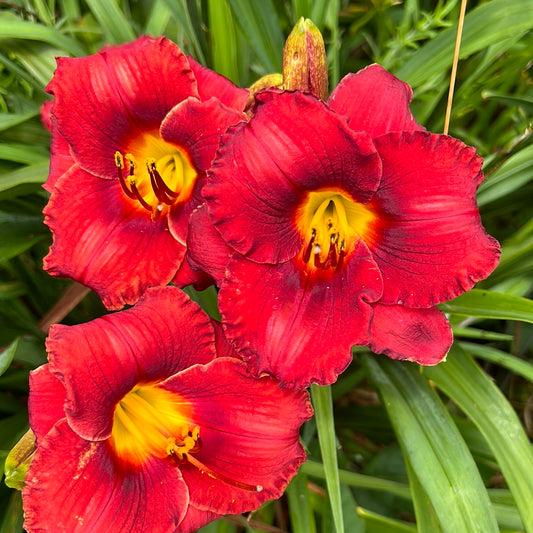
column 18, row 460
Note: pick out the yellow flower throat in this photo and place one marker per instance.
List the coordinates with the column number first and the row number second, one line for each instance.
column 150, row 421
column 330, row 223
column 165, row 176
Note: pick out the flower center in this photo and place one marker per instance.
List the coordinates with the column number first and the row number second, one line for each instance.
column 330, row 224
column 152, row 422
column 155, row 174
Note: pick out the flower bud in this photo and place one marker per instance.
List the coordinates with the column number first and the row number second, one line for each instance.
column 18, row 461
column 304, row 60
column 270, row 80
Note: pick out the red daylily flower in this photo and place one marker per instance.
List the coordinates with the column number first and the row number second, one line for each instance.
column 143, row 423
column 344, row 224
column 134, row 128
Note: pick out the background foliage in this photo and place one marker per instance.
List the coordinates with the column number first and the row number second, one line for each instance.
column 401, row 448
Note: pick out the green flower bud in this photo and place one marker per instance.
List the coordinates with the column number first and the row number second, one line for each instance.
column 18, row 461
column 304, row 60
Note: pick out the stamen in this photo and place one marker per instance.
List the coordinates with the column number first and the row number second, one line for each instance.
column 161, row 191
column 191, row 444
column 139, row 197
column 119, row 161
column 221, row 477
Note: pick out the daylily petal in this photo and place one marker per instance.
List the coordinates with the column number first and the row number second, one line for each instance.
column 102, row 101
column 429, row 243
column 224, row 348
column 196, row 518
column 207, row 251
column 105, row 242
column 47, row 390
column 150, row 342
column 61, row 159
column 298, row 329
column 264, row 168
column 420, row 335
column 73, row 484
column 249, row 433
column 210, row 84
column 196, row 127
column 374, row 101
column 187, row 276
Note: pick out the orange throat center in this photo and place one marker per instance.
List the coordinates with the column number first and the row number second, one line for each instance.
column 150, row 421
column 330, row 224
column 165, row 177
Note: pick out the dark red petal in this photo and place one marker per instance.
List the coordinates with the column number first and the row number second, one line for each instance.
column 298, row 329
column 207, row 251
column 77, row 486
column 224, row 348
column 249, row 433
column 60, row 160
column 46, row 109
column 210, row 84
column 196, row 518
column 104, row 100
column 106, row 242
column 186, row 276
column 420, row 335
column 374, row 101
column 99, row 362
column 45, row 404
column 197, row 127
column 264, row 168
column 429, row 242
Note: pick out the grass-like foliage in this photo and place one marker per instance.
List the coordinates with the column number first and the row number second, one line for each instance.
column 394, row 447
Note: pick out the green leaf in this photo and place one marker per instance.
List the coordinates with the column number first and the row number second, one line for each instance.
column 188, row 29
column 323, row 405
column 302, row 518
column 8, row 120
column 361, row 481
column 6, row 356
column 487, row 304
column 376, row 523
column 498, row 357
column 485, row 25
column 426, row 519
column 20, row 153
column 158, row 18
column 433, row 446
column 36, row 173
column 512, row 175
column 116, row 26
column 18, row 233
column 223, row 40
column 259, row 24
column 19, row 29
column 473, row 391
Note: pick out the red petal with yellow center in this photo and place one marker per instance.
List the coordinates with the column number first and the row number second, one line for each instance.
column 249, row 433
column 149, row 343
column 210, row 84
column 295, row 327
column 374, row 101
column 196, row 127
column 429, row 243
column 103, row 101
column 105, row 242
column 420, row 335
column 46, row 390
column 77, row 486
column 264, row 168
